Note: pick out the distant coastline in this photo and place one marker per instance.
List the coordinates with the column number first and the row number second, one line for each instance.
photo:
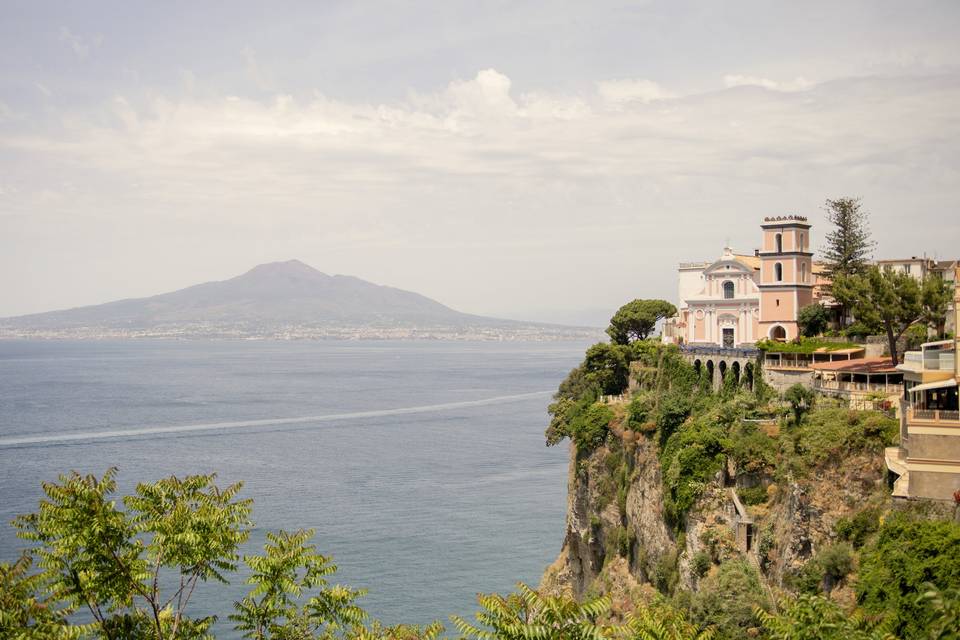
column 519, row 333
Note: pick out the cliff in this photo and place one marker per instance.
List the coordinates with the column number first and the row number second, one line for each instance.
column 669, row 499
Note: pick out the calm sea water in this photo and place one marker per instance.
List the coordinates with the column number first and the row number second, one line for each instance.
column 422, row 495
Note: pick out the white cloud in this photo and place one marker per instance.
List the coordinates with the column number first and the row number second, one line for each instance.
column 797, row 84
column 42, row 88
column 503, row 183
column 618, row 92
column 81, row 46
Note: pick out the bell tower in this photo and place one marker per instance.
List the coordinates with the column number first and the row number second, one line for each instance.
column 786, row 275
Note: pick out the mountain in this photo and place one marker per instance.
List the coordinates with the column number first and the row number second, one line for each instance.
column 289, row 299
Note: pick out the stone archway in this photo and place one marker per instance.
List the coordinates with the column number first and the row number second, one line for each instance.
column 723, row 371
column 735, row 367
column 748, row 375
column 710, row 369
column 777, row 332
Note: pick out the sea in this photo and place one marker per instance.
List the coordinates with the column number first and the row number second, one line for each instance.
column 421, row 465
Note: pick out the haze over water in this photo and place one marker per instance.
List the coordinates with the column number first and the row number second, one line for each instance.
column 421, row 465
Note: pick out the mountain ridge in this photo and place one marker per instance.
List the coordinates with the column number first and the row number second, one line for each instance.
column 267, row 299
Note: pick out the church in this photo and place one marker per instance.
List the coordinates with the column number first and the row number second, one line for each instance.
column 739, row 299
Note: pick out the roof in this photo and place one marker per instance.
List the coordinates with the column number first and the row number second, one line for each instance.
column 858, row 365
column 749, row 261
column 939, row 384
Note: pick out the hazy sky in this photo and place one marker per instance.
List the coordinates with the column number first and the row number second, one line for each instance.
column 522, row 159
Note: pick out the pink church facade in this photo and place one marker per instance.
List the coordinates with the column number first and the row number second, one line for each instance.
column 738, row 299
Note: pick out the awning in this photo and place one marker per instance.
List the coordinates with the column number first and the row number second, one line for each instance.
column 942, row 384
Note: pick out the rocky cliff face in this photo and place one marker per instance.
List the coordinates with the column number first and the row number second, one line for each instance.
column 614, row 510
column 618, row 539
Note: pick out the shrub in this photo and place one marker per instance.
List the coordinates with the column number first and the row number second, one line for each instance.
column 751, row 449
column 639, row 413
column 673, row 411
column 665, row 575
column 753, row 495
column 608, row 366
column 859, row 527
column 907, row 553
column 801, row 401
column 700, row 564
column 589, row 428
column 832, row 432
column 861, row 330
column 689, row 460
column 823, row 572
column 727, row 599
column 813, row 319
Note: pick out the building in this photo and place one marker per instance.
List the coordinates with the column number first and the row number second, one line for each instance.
column 859, row 380
column 920, row 268
column 927, row 462
column 739, row 299
column 786, row 275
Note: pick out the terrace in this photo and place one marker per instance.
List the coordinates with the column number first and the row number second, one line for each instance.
column 857, row 378
column 807, row 360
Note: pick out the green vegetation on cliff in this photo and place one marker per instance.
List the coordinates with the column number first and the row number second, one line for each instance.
column 698, row 435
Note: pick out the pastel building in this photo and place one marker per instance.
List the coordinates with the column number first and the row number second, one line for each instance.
column 927, row 461
column 738, row 299
column 786, row 275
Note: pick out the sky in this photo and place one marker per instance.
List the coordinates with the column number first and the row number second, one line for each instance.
column 534, row 160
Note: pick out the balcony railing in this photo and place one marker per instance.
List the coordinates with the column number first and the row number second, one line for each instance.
column 865, row 387
column 929, row 360
column 934, row 415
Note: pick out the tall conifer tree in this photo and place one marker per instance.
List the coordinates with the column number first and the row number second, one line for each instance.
column 849, row 245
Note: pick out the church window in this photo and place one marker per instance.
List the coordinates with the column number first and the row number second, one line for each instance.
column 778, row 239
column 801, row 242
column 778, row 272
column 803, row 272
column 728, row 290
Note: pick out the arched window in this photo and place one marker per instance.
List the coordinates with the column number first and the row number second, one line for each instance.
column 803, row 272
column 728, row 290
column 779, row 242
column 800, row 248
column 778, row 272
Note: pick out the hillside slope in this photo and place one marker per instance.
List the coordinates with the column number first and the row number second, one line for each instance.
column 268, row 298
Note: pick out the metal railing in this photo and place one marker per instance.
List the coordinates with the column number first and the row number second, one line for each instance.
column 734, row 352
column 933, row 415
column 867, row 387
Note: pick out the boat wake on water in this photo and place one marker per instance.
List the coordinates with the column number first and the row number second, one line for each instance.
column 75, row 436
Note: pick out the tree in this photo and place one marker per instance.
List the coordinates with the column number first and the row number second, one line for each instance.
column 801, row 400
column 110, row 561
column 28, row 611
column 636, row 319
column 289, row 567
column 815, row 617
column 608, row 367
column 664, row 623
column 937, row 294
column 813, row 319
column 115, row 563
column 526, row 615
column 886, row 297
column 848, row 246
